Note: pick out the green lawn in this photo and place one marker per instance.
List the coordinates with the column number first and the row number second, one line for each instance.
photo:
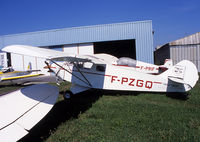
column 98, row 116
column 6, row 89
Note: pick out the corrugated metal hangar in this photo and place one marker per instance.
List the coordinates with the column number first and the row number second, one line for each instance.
column 185, row 48
column 130, row 39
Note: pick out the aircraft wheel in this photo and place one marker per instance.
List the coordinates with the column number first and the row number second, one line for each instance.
column 67, row 95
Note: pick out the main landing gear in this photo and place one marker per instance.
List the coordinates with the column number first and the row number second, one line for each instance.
column 67, row 95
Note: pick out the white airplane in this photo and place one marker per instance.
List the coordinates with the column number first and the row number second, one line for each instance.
column 99, row 71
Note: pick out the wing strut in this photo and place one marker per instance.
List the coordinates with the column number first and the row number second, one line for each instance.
column 85, row 81
column 82, row 74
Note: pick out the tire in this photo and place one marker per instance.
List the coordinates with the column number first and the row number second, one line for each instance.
column 67, row 95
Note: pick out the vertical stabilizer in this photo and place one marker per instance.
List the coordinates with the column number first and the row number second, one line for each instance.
column 29, row 66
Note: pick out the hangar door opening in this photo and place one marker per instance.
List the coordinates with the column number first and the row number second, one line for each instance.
column 119, row 48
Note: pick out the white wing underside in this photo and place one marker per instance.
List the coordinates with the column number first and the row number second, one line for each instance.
column 51, row 54
column 34, row 51
column 22, row 109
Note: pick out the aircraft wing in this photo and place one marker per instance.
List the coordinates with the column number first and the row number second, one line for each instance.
column 49, row 54
column 19, row 77
column 24, row 108
column 34, row 51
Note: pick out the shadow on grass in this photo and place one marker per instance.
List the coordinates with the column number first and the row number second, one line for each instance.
column 60, row 113
column 178, row 96
column 119, row 93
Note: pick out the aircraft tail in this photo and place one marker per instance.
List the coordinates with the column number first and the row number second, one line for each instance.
column 29, row 66
column 185, row 72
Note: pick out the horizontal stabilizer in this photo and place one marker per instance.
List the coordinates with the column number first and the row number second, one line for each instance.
column 178, row 80
column 23, row 109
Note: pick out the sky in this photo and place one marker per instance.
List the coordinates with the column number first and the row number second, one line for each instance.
column 171, row 19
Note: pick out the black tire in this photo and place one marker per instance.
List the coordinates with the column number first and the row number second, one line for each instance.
column 67, row 95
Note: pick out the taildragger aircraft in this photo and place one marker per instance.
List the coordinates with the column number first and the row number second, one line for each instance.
column 98, row 71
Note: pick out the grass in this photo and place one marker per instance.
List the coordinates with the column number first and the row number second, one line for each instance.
column 99, row 116
column 6, row 89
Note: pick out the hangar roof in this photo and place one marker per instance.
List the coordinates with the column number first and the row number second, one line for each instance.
column 191, row 39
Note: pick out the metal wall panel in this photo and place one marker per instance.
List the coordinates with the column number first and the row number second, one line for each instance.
column 140, row 31
column 3, row 60
column 189, row 52
column 144, row 42
column 1, row 41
